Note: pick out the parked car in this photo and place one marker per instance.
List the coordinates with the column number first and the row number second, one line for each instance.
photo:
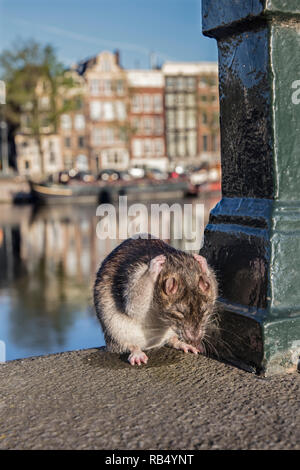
column 109, row 175
column 85, row 176
column 156, row 174
column 137, row 172
column 125, row 176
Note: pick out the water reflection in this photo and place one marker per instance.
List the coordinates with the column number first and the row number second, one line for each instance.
column 48, row 260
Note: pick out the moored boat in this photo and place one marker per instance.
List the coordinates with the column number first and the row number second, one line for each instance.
column 97, row 192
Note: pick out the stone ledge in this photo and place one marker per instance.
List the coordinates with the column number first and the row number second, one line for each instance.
column 92, row 399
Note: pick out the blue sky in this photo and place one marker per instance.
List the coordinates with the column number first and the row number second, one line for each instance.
column 81, row 28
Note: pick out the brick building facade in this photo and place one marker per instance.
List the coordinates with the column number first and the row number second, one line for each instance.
column 147, row 142
column 107, row 112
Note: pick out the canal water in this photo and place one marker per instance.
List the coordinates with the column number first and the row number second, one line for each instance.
column 48, row 260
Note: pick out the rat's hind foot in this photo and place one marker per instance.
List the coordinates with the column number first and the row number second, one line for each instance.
column 177, row 344
column 156, row 265
column 137, row 357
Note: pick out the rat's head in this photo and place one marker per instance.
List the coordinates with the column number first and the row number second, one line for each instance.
column 187, row 291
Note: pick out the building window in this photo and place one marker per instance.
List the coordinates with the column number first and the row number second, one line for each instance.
column 171, row 119
column 52, row 158
column 190, row 99
column 157, row 103
column 159, row 147
column 205, row 146
column 191, row 83
column 202, row 82
column 79, row 121
column 170, row 99
column 95, row 87
column 180, row 83
column 158, row 125
column 136, row 125
column 192, row 144
column 27, row 165
column 78, row 103
column 214, row 143
column 148, row 147
column 191, row 119
column 204, row 118
column 120, row 87
column 181, row 145
column 108, row 111
column 171, row 144
column 147, row 103
column 121, row 110
column 44, row 102
column 81, row 141
column 170, row 81
column 105, row 65
column 45, row 122
column 180, row 119
column 181, row 99
column 107, row 90
column 136, row 104
column 137, row 147
column 68, row 162
column 65, row 121
column 96, row 136
column 95, row 110
column 148, row 125
column 82, row 163
column 109, row 132
column 67, row 141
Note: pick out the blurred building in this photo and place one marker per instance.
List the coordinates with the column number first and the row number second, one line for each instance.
column 107, row 104
column 147, row 142
column 127, row 118
column 29, row 154
column 191, row 110
column 43, row 154
column 73, row 128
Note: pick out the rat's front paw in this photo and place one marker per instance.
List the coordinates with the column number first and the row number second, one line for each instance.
column 137, row 357
column 187, row 348
column 177, row 344
column 156, row 265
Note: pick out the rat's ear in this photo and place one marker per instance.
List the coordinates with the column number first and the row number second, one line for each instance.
column 204, row 284
column 203, row 263
column 170, row 286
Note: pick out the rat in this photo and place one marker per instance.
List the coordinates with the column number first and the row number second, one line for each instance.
column 148, row 294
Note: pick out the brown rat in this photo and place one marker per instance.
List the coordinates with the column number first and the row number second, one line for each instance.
column 148, row 294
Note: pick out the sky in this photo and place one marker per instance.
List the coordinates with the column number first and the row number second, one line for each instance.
column 171, row 29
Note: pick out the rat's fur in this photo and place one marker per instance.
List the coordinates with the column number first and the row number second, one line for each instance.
column 140, row 308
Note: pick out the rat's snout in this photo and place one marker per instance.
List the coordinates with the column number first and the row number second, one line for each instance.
column 192, row 335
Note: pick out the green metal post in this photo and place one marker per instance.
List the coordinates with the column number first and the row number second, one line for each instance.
column 253, row 236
